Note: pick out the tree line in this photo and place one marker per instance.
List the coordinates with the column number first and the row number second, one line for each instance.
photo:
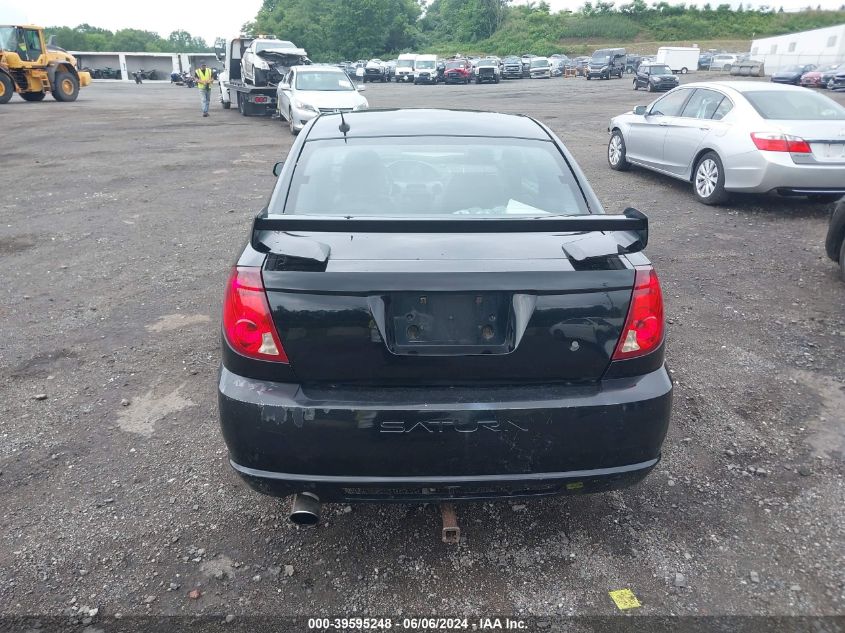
column 332, row 30
column 359, row 29
column 91, row 38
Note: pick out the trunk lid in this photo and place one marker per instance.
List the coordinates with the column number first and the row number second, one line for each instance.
column 434, row 309
column 826, row 138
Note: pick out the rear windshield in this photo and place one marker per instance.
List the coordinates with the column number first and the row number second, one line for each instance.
column 431, row 176
column 263, row 46
column 795, row 106
column 323, row 81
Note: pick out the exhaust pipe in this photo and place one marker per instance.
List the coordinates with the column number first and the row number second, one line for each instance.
column 305, row 509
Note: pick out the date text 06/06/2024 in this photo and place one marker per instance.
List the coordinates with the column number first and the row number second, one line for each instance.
column 416, row 624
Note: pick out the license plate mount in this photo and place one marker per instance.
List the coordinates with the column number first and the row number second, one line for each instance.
column 447, row 324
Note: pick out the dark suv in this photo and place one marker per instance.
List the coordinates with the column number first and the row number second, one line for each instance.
column 512, row 68
column 606, row 63
column 655, row 78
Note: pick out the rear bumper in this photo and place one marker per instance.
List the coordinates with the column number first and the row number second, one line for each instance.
column 479, row 488
column 444, row 443
column 762, row 172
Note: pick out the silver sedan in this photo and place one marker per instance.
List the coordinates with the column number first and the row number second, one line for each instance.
column 741, row 136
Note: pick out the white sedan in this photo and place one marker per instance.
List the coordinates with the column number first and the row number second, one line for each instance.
column 741, row 136
column 308, row 91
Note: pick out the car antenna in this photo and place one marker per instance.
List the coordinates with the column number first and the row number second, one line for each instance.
column 344, row 126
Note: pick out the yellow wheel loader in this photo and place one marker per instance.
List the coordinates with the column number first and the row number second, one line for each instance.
column 32, row 68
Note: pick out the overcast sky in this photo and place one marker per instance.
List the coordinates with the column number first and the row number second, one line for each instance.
column 210, row 19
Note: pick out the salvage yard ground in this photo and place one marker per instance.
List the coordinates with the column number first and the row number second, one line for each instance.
column 120, row 215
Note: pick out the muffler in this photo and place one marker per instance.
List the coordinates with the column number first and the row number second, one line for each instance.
column 305, row 509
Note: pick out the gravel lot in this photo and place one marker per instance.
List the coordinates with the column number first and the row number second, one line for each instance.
column 119, row 217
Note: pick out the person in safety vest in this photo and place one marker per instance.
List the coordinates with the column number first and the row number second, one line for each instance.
column 204, row 81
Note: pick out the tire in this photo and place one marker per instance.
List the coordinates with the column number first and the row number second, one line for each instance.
column 726, row 68
column 650, row 87
column 616, row 152
column 830, row 84
column 842, row 260
column 33, row 96
column 636, row 85
column 65, row 86
column 588, row 78
column 244, row 107
column 293, row 131
column 226, row 104
column 708, row 180
column 684, row 71
column 7, row 88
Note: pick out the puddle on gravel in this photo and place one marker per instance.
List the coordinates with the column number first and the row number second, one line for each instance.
column 143, row 412
column 828, row 437
column 177, row 321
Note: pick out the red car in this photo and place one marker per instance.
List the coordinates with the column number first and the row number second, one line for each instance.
column 815, row 78
column 458, row 71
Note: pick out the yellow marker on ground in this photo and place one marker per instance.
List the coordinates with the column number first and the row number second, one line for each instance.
column 625, row 599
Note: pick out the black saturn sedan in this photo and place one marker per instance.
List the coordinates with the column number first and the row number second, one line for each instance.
column 434, row 306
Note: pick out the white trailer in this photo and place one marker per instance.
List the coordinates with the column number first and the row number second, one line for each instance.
column 680, row 59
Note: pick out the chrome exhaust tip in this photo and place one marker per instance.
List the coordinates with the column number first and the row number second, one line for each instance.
column 305, row 509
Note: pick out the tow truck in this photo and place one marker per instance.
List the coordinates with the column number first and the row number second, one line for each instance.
column 250, row 99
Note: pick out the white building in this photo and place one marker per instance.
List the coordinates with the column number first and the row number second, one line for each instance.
column 819, row 46
column 127, row 63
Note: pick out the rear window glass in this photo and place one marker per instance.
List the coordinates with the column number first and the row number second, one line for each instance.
column 431, row 176
column 794, row 106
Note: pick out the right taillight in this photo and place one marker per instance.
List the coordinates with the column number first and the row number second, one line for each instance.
column 773, row 142
column 643, row 331
column 247, row 321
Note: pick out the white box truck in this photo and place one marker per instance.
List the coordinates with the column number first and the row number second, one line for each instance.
column 680, row 59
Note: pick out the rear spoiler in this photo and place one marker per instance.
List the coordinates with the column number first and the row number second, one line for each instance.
column 630, row 220
column 628, row 230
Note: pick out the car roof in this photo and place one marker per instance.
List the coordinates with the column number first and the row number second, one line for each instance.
column 434, row 122
column 319, row 68
column 743, row 87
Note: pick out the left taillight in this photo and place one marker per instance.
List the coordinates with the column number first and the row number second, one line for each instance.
column 643, row 331
column 247, row 322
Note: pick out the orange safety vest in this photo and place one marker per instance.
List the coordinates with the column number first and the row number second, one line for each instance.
column 204, row 76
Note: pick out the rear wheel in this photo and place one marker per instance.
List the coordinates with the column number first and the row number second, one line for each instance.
column 616, row 153
column 33, row 96
column 830, row 84
column 636, row 85
column 842, row 260
column 708, row 180
column 7, row 89
column 226, row 104
column 290, row 122
column 65, row 86
column 684, row 71
column 650, row 87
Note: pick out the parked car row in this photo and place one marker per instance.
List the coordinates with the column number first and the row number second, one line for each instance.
column 429, row 69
